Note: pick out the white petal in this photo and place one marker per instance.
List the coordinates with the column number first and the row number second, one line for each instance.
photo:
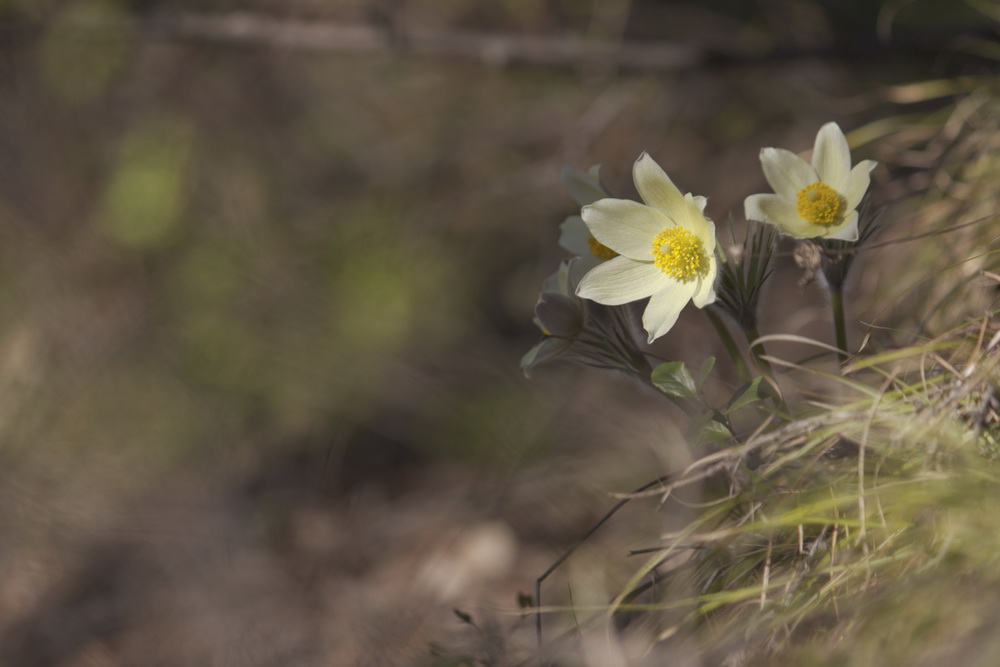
column 654, row 186
column 848, row 231
column 786, row 172
column 627, row 227
column 665, row 306
column 705, row 292
column 576, row 270
column 586, row 188
column 574, row 236
column 781, row 213
column 857, row 183
column 558, row 281
column 832, row 156
column 620, row 280
column 693, row 220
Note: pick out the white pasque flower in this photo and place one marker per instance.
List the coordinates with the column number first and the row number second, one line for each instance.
column 813, row 200
column 586, row 188
column 666, row 250
column 575, row 237
column 559, row 313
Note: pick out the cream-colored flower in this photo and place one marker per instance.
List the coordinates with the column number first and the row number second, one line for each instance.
column 666, row 249
column 813, row 200
column 574, row 236
column 559, row 313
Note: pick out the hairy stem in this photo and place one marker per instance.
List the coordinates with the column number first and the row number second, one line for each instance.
column 837, row 304
column 729, row 343
column 758, row 350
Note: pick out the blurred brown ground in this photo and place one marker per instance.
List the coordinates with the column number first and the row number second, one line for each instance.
column 263, row 305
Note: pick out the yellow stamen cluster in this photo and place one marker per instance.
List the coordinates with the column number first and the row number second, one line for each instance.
column 680, row 254
column 819, row 204
column 599, row 250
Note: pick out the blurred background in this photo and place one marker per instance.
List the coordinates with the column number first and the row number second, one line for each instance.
column 267, row 270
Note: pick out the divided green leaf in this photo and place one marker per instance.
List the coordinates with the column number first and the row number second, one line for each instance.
column 674, row 379
column 714, row 431
column 748, row 393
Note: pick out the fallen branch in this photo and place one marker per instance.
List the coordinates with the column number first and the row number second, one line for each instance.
column 487, row 48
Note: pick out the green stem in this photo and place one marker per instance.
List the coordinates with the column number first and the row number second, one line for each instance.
column 729, row 343
column 837, row 304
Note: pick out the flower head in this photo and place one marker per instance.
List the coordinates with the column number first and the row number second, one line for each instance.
column 665, row 246
column 560, row 315
column 574, row 236
column 559, row 311
column 576, row 330
column 813, row 200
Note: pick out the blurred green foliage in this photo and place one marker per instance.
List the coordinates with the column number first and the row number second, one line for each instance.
column 78, row 65
column 145, row 196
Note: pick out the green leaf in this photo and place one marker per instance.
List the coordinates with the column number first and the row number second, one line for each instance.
column 748, row 393
column 706, row 427
column 704, row 370
column 674, row 379
column 714, row 431
column 525, row 601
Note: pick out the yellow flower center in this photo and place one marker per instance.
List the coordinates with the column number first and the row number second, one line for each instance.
column 680, row 254
column 819, row 204
column 599, row 250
